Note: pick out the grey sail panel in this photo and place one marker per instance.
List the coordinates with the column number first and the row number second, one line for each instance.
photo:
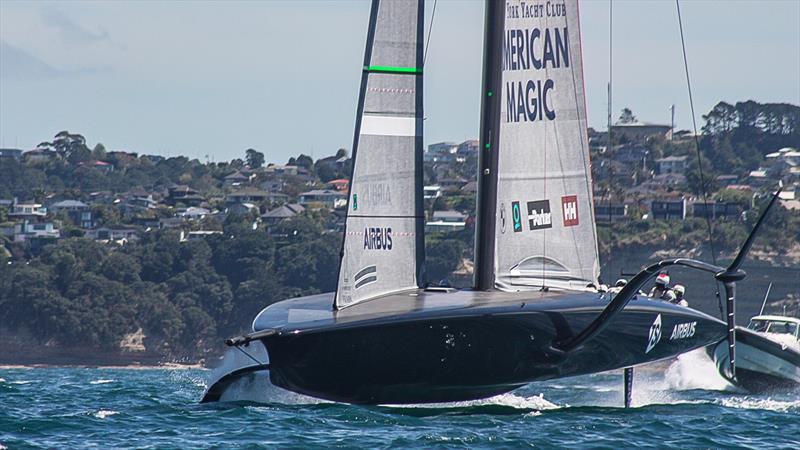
column 545, row 230
column 384, row 241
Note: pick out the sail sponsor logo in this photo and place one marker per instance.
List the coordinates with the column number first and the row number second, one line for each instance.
column 376, row 194
column 539, row 216
column 534, row 49
column 683, row 331
column 355, row 202
column 529, row 103
column 377, row 238
column 569, row 210
column 535, row 10
column 516, row 216
column 655, row 334
column 365, row 276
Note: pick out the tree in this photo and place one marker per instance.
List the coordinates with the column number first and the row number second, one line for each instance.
column 626, row 117
column 305, row 161
column 341, row 153
column 255, row 159
column 99, row 152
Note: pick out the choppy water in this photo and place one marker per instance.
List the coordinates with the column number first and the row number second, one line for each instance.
column 685, row 405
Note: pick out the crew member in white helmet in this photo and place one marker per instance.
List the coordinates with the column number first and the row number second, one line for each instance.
column 661, row 288
column 679, row 291
column 618, row 286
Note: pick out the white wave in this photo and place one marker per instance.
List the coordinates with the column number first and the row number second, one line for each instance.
column 2, row 380
column 535, row 402
column 761, row 403
column 21, row 382
column 255, row 387
column 103, row 413
column 695, row 370
column 102, row 381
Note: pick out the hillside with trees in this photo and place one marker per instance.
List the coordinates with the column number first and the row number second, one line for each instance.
column 150, row 289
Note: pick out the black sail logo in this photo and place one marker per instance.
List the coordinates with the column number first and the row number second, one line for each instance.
column 539, row 216
column 377, row 238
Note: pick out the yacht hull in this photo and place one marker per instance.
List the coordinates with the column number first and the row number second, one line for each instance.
column 762, row 365
column 443, row 347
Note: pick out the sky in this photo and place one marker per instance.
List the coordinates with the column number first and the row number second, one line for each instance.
column 211, row 79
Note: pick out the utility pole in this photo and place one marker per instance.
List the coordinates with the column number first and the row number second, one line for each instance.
column 672, row 122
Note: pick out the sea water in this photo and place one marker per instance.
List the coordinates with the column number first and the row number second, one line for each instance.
column 682, row 404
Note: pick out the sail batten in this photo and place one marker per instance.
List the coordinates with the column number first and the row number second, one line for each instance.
column 383, row 245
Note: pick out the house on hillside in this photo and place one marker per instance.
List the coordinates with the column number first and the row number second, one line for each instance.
column 198, row 235
column 607, row 212
column 340, row 185
column 717, row 210
column 468, row 148
column 667, row 181
column 39, row 155
column 80, row 213
column 182, row 194
column 251, row 195
column 441, row 152
column 240, row 209
column 325, row 197
column 632, row 154
column 119, row 235
column 235, row 179
column 10, row 153
column 672, row 164
column 431, row 192
column 27, row 230
column 137, row 200
column 29, row 211
column 192, row 213
column 101, row 166
column 446, row 221
column 668, row 208
column 272, row 185
column 281, row 213
column 639, row 131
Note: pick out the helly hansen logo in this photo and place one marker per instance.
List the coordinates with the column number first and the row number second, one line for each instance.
column 569, row 210
column 539, row 215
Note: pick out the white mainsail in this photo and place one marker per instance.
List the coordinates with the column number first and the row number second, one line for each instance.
column 383, row 245
column 545, row 230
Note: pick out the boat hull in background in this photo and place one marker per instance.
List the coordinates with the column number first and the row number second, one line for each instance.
column 424, row 347
column 762, row 365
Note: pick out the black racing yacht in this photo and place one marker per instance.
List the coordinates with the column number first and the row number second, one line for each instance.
column 384, row 338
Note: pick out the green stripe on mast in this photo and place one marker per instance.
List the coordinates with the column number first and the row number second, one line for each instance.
column 390, row 69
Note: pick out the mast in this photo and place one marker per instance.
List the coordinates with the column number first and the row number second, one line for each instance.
column 489, row 138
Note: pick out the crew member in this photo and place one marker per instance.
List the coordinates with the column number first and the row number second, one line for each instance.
column 661, row 287
column 618, row 286
column 679, row 291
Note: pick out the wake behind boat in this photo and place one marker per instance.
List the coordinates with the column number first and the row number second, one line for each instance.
column 383, row 338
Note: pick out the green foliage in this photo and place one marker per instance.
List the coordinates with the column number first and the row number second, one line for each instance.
column 442, row 257
column 255, row 159
column 186, row 296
